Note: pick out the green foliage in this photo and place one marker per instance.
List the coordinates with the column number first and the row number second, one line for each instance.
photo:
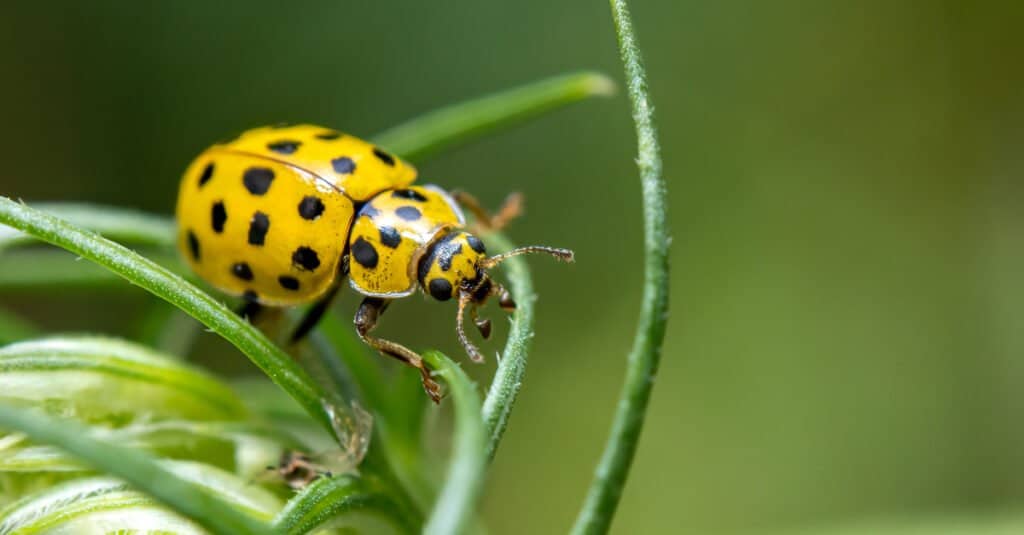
column 84, row 404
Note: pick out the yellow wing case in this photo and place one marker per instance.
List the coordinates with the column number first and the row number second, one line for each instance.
column 354, row 166
column 261, row 228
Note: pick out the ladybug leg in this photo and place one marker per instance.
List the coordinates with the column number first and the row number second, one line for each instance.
column 313, row 315
column 316, row 312
column 366, row 320
column 250, row 310
column 510, row 209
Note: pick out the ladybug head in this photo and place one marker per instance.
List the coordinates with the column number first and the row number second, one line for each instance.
column 456, row 266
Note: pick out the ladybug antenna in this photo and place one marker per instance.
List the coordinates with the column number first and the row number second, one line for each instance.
column 466, row 299
column 564, row 255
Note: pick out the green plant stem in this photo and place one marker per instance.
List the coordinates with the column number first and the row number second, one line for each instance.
column 603, row 497
column 456, row 504
column 170, row 287
column 327, row 498
column 443, row 128
column 135, row 467
column 508, row 378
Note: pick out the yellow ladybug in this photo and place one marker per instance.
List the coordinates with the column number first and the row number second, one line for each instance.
column 282, row 215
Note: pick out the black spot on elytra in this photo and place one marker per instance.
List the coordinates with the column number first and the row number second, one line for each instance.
column 440, row 289
column 250, row 296
column 257, row 180
column 242, row 271
column 305, row 258
column 343, row 165
column 193, row 245
column 389, row 236
column 476, row 244
column 364, row 253
column 288, row 282
column 258, row 227
column 218, row 216
column 284, row 146
column 369, row 210
column 328, row 136
column 408, row 213
column 410, row 194
column 206, row 175
column 311, row 207
column 384, row 157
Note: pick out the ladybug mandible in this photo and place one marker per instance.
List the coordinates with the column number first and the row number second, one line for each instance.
column 280, row 216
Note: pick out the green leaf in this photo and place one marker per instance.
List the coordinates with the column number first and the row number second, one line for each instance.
column 602, row 500
column 110, row 380
column 187, row 491
column 328, row 498
column 240, row 447
column 450, row 126
column 456, row 504
column 175, row 290
column 107, row 504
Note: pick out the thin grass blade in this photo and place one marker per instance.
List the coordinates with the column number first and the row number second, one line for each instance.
column 447, row 127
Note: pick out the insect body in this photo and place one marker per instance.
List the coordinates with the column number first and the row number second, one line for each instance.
column 281, row 216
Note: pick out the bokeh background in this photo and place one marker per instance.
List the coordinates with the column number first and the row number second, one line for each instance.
column 847, row 207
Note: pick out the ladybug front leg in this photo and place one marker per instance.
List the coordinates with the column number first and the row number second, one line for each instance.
column 250, row 309
column 366, row 320
column 510, row 209
column 314, row 314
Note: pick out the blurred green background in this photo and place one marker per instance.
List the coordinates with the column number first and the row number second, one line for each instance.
column 847, row 196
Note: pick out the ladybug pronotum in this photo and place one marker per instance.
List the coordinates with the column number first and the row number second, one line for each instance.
column 280, row 216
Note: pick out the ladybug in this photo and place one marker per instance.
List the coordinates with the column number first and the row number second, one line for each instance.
column 281, row 216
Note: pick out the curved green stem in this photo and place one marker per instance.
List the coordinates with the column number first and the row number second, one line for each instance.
column 457, row 501
column 508, row 378
column 446, row 127
column 603, row 498
column 135, row 467
column 170, row 287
